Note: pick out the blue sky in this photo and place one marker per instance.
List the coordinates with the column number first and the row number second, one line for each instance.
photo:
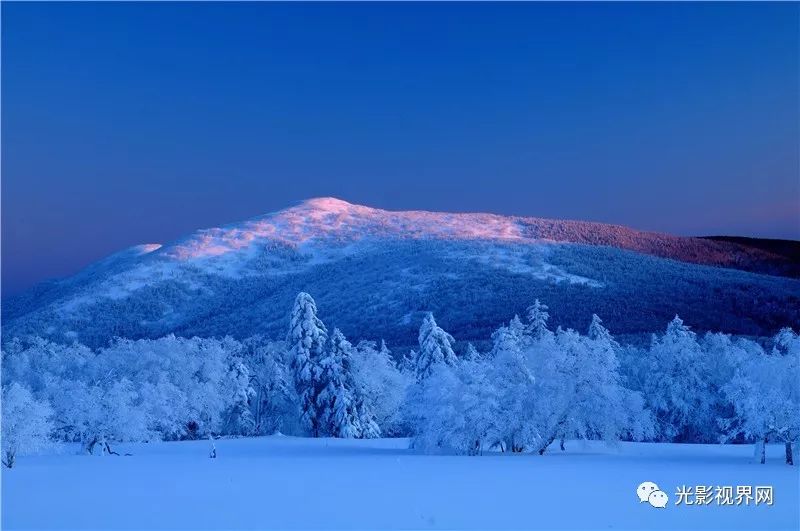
column 129, row 123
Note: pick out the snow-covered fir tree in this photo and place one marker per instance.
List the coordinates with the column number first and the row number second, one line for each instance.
column 336, row 403
column 384, row 350
column 408, row 362
column 598, row 332
column 307, row 338
column 537, row 319
column 471, row 353
column 435, row 347
column 511, row 338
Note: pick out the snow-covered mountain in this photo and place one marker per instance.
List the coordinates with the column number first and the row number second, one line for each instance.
column 374, row 272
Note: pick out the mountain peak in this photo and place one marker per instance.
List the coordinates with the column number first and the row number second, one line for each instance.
column 239, row 277
column 328, row 204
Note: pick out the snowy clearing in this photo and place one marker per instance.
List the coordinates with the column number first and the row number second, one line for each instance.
column 287, row 482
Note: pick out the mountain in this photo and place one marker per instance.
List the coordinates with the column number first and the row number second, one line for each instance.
column 375, row 272
column 789, row 249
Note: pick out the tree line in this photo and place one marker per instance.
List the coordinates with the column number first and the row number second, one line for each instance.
column 532, row 388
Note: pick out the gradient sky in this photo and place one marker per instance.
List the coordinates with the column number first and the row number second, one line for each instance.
column 133, row 123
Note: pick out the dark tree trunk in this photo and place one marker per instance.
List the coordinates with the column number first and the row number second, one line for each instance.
column 562, row 444
column 556, row 430
column 89, row 446
column 476, row 448
column 9, row 459
column 192, row 429
column 546, row 444
column 763, row 451
column 789, row 457
column 514, row 447
column 102, row 444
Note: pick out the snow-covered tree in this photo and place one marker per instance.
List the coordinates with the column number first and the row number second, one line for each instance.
column 787, row 414
column 26, row 423
column 511, row 338
column 381, row 384
column 275, row 402
column 471, row 353
column 537, row 319
column 676, row 386
column 183, row 386
column 383, row 350
column 91, row 402
column 103, row 413
column 532, row 387
column 766, row 396
column 409, row 362
column 723, row 354
column 172, row 387
column 307, row 338
column 481, row 404
column 590, row 401
column 558, row 385
column 598, row 332
column 434, row 360
column 39, row 365
column 337, row 408
column 434, row 412
column 622, row 410
column 435, row 347
column 239, row 418
column 513, row 380
column 455, row 409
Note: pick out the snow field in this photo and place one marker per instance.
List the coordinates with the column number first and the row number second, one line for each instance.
column 299, row 483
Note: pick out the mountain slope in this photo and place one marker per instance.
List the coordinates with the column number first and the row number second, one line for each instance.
column 373, row 273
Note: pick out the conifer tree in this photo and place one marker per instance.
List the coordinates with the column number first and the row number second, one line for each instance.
column 336, row 406
column 344, row 409
column 537, row 319
column 435, row 346
column 472, row 353
column 307, row 338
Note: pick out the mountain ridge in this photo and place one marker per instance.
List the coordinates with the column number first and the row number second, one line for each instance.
column 239, row 278
column 290, row 225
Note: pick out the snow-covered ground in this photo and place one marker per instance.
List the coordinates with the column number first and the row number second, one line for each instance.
column 292, row 483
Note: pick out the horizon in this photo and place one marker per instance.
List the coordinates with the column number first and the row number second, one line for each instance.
column 570, row 112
